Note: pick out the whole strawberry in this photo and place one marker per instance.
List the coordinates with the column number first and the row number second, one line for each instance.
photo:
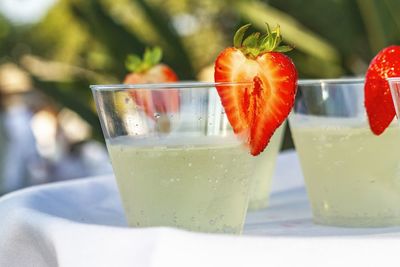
column 258, row 108
column 378, row 100
column 150, row 70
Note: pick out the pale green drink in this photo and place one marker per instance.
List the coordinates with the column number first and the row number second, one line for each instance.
column 200, row 184
column 352, row 176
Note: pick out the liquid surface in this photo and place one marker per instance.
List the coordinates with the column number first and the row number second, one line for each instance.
column 200, row 184
column 352, row 176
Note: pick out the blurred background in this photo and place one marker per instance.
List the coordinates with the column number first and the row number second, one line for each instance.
column 51, row 50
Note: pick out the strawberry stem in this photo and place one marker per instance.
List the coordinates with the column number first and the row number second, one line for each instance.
column 256, row 44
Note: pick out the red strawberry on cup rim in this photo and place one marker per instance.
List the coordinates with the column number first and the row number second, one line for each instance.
column 150, row 70
column 378, row 99
column 256, row 108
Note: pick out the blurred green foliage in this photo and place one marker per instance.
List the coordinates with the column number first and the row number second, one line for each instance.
column 332, row 38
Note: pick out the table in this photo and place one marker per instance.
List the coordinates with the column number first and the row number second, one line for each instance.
column 81, row 223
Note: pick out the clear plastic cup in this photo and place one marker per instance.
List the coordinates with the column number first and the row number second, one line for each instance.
column 175, row 157
column 394, row 84
column 264, row 170
column 352, row 176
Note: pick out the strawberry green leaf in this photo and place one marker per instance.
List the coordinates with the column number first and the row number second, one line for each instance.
column 147, row 57
column 284, row 48
column 262, row 40
column 253, row 52
column 132, row 63
column 276, row 37
column 252, row 40
column 268, row 29
column 238, row 38
column 256, row 44
column 151, row 57
column 156, row 55
column 266, row 45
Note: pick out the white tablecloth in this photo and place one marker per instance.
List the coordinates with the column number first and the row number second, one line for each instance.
column 81, row 223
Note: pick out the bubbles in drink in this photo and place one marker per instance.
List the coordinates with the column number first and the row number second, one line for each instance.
column 159, row 174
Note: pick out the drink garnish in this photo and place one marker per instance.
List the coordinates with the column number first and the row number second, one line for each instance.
column 150, row 70
column 378, row 100
column 266, row 89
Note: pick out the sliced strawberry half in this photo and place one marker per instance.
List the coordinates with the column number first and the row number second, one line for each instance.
column 149, row 70
column 267, row 83
column 378, row 100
